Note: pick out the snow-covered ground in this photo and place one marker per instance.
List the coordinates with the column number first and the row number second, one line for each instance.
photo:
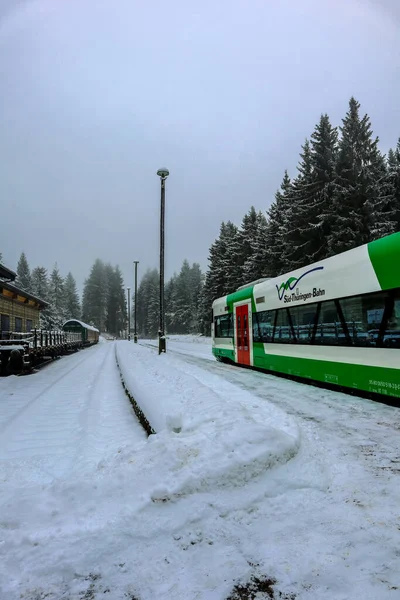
column 248, row 476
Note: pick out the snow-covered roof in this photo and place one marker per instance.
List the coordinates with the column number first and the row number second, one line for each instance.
column 13, row 288
column 85, row 325
column 6, row 273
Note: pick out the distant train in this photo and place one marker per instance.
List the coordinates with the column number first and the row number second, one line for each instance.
column 336, row 321
column 90, row 335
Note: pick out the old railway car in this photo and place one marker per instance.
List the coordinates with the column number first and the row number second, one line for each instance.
column 90, row 335
column 336, row 321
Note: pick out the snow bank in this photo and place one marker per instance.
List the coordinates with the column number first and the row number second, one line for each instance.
column 213, row 436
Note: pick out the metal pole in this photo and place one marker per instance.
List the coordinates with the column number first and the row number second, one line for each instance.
column 161, row 332
column 136, row 262
column 129, row 314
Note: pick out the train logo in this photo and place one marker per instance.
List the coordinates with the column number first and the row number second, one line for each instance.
column 291, row 283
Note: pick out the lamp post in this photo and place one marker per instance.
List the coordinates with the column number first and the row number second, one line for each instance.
column 163, row 174
column 135, row 262
column 129, row 314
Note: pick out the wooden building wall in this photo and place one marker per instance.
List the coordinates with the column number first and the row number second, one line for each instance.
column 18, row 307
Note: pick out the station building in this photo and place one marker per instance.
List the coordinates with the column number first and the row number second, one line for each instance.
column 19, row 310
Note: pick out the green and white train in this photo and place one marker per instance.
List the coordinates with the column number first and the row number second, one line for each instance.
column 336, row 321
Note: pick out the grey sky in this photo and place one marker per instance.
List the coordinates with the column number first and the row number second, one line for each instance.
column 96, row 95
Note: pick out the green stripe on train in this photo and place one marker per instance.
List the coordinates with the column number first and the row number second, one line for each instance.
column 380, row 380
column 240, row 296
column 224, row 353
column 385, row 258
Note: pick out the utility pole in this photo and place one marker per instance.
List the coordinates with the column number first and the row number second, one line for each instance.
column 163, row 174
column 135, row 262
column 129, row 314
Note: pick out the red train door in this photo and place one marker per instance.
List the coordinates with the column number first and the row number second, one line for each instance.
column 242, row 334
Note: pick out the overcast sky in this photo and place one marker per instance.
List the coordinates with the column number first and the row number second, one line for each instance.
column 96, row 95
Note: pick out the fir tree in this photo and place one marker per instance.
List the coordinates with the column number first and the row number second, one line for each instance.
column 243, row 246
column 116, row 301
column 169, row 299
column 94, row 303
column 278, row 214
column 72, row 304
column 224, row 274
column 355, row 165
column 40, row 289
column 255, row 266
column 394, row 182
column 185, row 299
column 55, row 313
column 300, row 215
column 148, row 304
column 40, row 285
column 380, row 204
column 23, row 279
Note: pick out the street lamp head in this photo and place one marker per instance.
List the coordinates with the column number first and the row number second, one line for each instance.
column 163, row 173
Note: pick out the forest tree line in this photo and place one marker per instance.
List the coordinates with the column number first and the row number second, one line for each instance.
column 345, row 193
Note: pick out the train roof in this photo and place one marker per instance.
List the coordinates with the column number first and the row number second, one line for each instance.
column 81, row 323
column 369, row 268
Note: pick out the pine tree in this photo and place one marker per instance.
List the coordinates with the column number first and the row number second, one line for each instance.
column 324, row 148
column 243, row 245
column 185, row 299
column 223, row 275
column 94, row 303
column 380, row 204
column 301, row 215
column 72, row 304
column 170, row 308
column 276, row 228
column 394, row 182
column 196, row 283
column 40, row 285
column 116, row 310
column 256, row 265
column 23, row 279
column 354, row 168
column 148, row 308
column 56, row 311
column 40, row 289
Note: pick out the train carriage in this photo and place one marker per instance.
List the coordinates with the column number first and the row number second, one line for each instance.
column 90, row 335
column 336, row 321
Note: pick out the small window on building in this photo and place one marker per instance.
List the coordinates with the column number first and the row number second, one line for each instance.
column 4, row 323
column 18, row 324
column 29, row 324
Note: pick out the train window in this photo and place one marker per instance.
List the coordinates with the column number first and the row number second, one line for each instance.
column 283, row 331
column 391, row 334
column 329, row 330
column 303, row 319
column 363, row 316
column 223, row 326
column 263, row 326
column 18, row 324
column 29, row 324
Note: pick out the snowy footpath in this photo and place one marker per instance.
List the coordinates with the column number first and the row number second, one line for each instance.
column 249, row 478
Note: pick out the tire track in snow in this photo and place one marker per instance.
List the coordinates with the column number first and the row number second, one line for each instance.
column 44, row 436
column 27, row 405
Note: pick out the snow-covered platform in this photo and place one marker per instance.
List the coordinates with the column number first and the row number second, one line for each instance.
column 247, row 475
